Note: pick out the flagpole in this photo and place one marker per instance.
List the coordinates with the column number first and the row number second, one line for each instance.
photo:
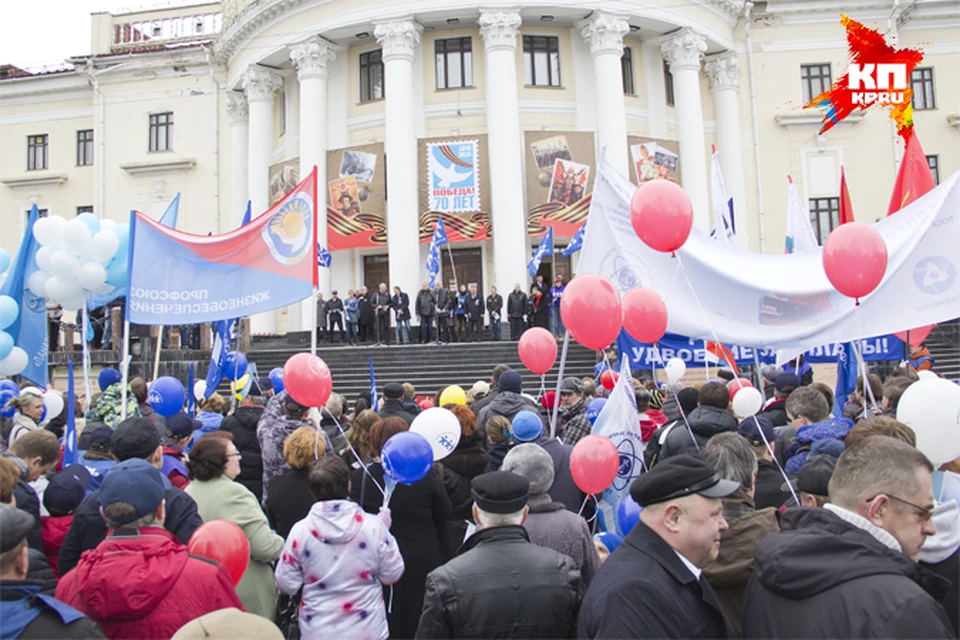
column 313, row 322
column 156, row 356
column 563, row 361
column 125, row 366
column 85, row 362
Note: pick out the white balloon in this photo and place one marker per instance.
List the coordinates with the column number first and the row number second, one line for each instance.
column 927, row 375
column 76, row 236
column 747, row 402
column 73, row 304
column 106, row 224
column 92, row 275
column 932, row 409
column 441, row 429
column 14, row 363
column 37, row 283
column 104, row 245
column 56, row 227
column 199, row 389
column 53, row 401
column 43, row 256
column 65, row 264
column 61, row 289
column 675, row 369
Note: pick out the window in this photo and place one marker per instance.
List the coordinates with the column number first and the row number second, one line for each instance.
column 541, row 61
column 824, row 216
column 626, row 69
column 921, row 81
column 371, row 76
column 161, row 131
column 41, row 213
column 934, row 163
column 85, row 209
column 85, row 148
column 283, row 112
column 815, row 78
column 454, row 63
column 668, row 83
column 36, row 152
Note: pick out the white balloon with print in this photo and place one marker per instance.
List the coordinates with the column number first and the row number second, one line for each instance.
column 104, row 245
column 53, row 401
column 14, row 363
column 92, row 275
column 441, row 429
column 932, row 409
column 747, row 402
column 675, row 369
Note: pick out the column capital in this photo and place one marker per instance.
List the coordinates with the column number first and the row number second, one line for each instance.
column 261, row 83
column 723, row 70
column 500, row 29
column 399, row 39
column 684, row 49
column 237, row 107
column 604, row 32
column 312, row 58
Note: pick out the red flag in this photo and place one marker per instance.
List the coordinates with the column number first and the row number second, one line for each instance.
column 722, row 352
column 846, row 205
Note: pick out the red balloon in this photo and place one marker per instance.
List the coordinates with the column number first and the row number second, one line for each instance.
column 591, row 311
column 594, row 462
column 855, row 259
column 609, row 379
column 644, row 315
column 661, row 214
column 538, row 350
column 737, row 384
column 224, row 542
column 426, row 403
column 307, row 380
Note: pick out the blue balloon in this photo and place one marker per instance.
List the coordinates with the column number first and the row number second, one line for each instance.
column 117, row 271
column 6, row 395
column 10, row 385
column 628, row 514
column 4, row 260
column 234, row 365
column 594, row 409
column 9, row 310
column 526, row 426
column 407, row 457
column 166, row 396
column 6, row 344
column 92, row 222
column 122, row 231
column 108, row 377
column 276, row 377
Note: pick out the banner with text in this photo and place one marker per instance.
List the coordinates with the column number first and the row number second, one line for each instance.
column 560, row 169
column 454, row 183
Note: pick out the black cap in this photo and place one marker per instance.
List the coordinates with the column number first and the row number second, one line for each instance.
column 749, row 429
column 66, row 490
column 134, row 438
column 679, row 476
column 15, row 524
column 726, row 375
column 393, row 390
column 510, row 381
column 688, row 398
column 500, row 492
column 814, row 476
column 181, row 425
column 100, row 438
column 786, row 380
column 571, row 385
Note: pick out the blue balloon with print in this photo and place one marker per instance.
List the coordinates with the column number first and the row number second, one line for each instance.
column 108, row 377
column 6, row 395
column 10, row 385
column 628, row 514
column 166, row 396
column 276, row 377
column 234, row 365
column 406, row 457
column 594, row 409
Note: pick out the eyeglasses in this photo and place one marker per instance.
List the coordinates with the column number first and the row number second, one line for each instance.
column 925, row 513
column 235, row 454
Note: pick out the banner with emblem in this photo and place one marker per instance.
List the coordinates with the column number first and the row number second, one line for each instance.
column 560, row 169
column 356, row 198
column 454, row 183
column 181, row 278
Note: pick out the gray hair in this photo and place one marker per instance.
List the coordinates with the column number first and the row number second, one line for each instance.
column 335, row 405
column 534, row 464
column 875, row 465
column 486, row 520
column 809, row 403
column 732, row 458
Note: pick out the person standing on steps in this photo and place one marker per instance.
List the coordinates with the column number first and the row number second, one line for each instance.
column 382, row 303
column 474, row 313
column 401, row 307
column 321, row 317
column 426, row 306
column 335, row 317
column 556, row 292
column 516, row 310
column 351, row 311
column 444, row 319
column 461, row 313
column 365, row 315
column 494, row 308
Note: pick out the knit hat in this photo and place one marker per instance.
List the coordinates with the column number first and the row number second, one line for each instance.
column 688, row 399
column 656, row 399
column 510, row 381
column 610, row 540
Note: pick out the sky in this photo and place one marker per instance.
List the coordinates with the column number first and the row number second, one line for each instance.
column 45, row 32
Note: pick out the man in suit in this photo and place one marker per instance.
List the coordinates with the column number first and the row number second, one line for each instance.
column 381, row 304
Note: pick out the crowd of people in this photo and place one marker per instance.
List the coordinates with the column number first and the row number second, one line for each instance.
column 797, row 523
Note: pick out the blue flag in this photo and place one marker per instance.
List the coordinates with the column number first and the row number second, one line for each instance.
column 246, row 216
column 846, row 376
column 545, row 249
column 433, row 255
column 323, row 256
column 70, row 431
column 576, row 243
column 373, row 388
column 169, row 217
column 221, row 345
column 29, row 330
column 191, row 399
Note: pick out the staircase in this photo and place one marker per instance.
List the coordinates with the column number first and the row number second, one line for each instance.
column 944, row 345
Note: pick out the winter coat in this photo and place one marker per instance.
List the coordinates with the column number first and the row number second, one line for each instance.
column 461, row 300
column 776, row 413
column 473, row 307
column 552, row 526
column 243, row 425
column 108, row 408
column 393, row 408
column 426, row 304
column 497, row 453
column 54, row 531
column 730, row 572
column 365, row 309
column 941, row 555
column 382, row 302
column 144, row 584
column 501, row 585
column 401, row 305
column 516, row 304
column 769, row 483
column 41, row 572
column 97, row 468
column 410, row 406
column 209, row 422
column 705, row 422
column 822, row 577
column 443, row 299
column 466, row 462
column 796, row 454
column 21, row 424
column 291, row 502
column 419, row 510
column 563, row 490
column 223, row 499
column 340, row 556
column 350, row 309
column 644, row 590
column 27, row 500
column 506, row 404
column 273, row 428
column 573, row 424
column 494, row 304
column 89, row 529
column 46, row 617
column 174, row 467
column 334, row 307
column 540, row 310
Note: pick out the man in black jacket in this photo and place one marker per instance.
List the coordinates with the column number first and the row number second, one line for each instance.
column 474, row 313
column 768, row 485
column 426, row 308
column 133, row 438
column 400, row 302
column 335, row 317
column 500, row 584
column 35, row 454
column 849, row 570
column 243, row 425
column 365, row 315
column 381, row 305
column 516, row 309
column 445, row 304
column 652, row 586
column 393, row 403
column 708, row 419
column 494, row 308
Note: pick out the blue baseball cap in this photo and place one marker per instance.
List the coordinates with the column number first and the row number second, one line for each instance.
column 526, row 426
column 136, row 482
column 755, row 428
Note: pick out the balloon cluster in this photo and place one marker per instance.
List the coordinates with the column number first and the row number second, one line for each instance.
column 13, row 359
column 408, row 456
column 85, row 254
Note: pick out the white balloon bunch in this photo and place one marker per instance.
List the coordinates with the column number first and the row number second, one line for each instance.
column 85, row 254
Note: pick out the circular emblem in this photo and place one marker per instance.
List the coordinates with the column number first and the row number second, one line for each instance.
column 290, row 230
column 934, row 275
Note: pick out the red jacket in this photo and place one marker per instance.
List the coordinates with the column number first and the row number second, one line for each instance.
column 53, row 531
column 144, row 584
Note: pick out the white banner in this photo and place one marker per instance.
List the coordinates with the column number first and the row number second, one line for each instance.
column 781, row 301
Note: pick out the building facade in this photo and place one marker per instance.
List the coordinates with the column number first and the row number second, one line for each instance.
column 493, row 118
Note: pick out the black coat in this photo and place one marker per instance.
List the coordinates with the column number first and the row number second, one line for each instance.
column 776, row 413
column 769, row 483
column 48, row 624
column 494, row 304
column 40, row 572
column 334, row 307
column 644, row 590
column 401, row 305
column 243, row 425
column 467, row 461
column 418, row 511
column 365, row 309
column 705, row 422
column 289, row 501
column 382, row 302
column 821, row 577
column 540, row 309
column 473, row 307
column 443, row 299
column 516, row 304
column 394, row 408
column 28, row 501
column 501, row 585
column 949, row 569
column 426, row 304
column 563, row 490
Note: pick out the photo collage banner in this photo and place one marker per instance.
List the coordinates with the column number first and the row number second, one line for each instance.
column 356, row 198
column 651, row 158
column 559, row 171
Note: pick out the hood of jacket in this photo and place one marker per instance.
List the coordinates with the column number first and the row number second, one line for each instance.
column 508, row 403
column 709, row 421
column 734, row 565
column 470, row 458
column 946, row 541
column 209, row 420
column 335, row 521
column 248, row 417
column 127, row 576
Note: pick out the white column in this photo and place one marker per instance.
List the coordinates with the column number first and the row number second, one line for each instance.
column 724, row 73
column 604, row 33
column 656, row 89
column 504, row 140
column 239, row 137
column 260, row 85
column 683, row 52
column 399, row 39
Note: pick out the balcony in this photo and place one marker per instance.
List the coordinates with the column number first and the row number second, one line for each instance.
column 150, row 30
